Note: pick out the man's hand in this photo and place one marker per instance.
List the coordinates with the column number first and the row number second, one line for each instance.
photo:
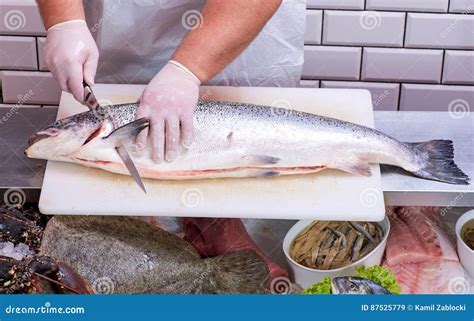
column 72, row 55
column 168, row 101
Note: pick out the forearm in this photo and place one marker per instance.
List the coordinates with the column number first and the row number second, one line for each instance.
column 228, row 27
column 57, row 11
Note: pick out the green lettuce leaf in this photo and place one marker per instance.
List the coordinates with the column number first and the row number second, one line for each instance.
column 380, row 275
column 322, row 287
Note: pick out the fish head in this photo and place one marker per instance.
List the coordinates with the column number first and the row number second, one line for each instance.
column 66, row 136
column 356, row 285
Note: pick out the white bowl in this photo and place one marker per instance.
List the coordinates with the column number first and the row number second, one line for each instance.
column 466, row 255
column 306, row 277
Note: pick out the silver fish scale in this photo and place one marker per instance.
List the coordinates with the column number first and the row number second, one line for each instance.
column 272, row 128
column 125, row 113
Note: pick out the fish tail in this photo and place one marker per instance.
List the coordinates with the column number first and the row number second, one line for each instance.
column 437, row 162
column 241, row 272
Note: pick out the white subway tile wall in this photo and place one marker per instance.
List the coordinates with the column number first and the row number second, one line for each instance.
column 456, row 99
column 336, row 4
column 402, row 65
column 42, row 63
column 413, row 54
column 458, row 67
column 314, row 24
column 410, row 54
column 461, row 6
column 18, row 53
column 359, row 28
column 408, row 5
column 428, row 30
column 328, row 62
column 30, row 87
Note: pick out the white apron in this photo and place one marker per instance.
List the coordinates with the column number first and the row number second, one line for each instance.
column 137, row 37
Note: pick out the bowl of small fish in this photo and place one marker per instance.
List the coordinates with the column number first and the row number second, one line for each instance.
column 318, row 249
column 465, row 240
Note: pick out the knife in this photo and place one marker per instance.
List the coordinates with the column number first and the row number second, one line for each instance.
column 93, row 104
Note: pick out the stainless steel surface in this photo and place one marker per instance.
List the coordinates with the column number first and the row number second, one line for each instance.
column 132, row 169
column 17, row 171
column 401, row 188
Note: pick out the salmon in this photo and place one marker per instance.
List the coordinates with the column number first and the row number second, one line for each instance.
column 242, row 140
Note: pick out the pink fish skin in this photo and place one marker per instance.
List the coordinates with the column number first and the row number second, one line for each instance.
column 420, row 251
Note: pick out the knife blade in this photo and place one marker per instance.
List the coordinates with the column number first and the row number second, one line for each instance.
column 93, row 104
column 132, row 169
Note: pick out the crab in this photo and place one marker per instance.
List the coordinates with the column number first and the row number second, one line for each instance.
column 19, row 226
column 35, row 273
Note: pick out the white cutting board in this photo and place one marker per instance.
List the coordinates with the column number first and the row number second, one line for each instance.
column 328, row 195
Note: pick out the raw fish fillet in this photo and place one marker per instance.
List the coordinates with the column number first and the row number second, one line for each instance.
column 422, row 221
column 421, row 253
column 416, row 237
column 428, row 277
column 403, row 245
column 407, row 276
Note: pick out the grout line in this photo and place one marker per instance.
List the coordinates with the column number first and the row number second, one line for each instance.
column 322, row 26
column 31, row 35
column 37, row 54
column 361, row 62
column 443, row 59
column 400, row 82
column 405, row 30
column 393, row 11
column 385, row 47
column 399, row 96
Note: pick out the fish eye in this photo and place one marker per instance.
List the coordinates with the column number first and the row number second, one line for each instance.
column 352, row 286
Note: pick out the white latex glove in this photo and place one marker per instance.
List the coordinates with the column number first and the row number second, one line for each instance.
column 169, row 102
column 72, row 55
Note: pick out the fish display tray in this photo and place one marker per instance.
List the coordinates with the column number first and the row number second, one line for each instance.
column 72, row 189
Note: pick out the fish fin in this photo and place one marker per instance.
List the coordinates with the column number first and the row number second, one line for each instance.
column 242, row 272
column 269, row 174
column 128, row 132
column 438, row 162
column 257, row 160
column 357, row 166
